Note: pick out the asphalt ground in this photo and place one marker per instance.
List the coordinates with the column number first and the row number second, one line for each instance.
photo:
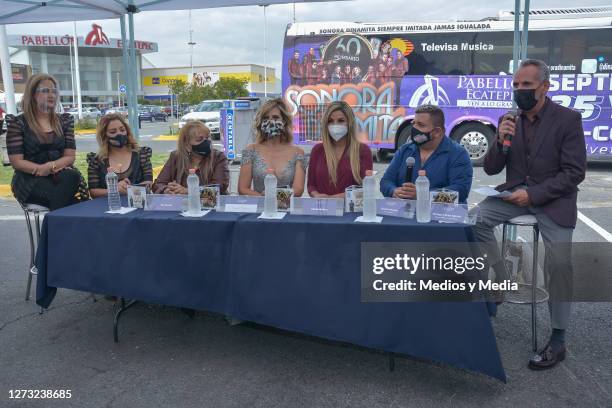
column 166, row 359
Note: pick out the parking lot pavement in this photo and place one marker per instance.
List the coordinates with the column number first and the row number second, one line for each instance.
column 166, row 359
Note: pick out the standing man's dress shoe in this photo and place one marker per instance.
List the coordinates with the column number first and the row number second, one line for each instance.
column 547, row 358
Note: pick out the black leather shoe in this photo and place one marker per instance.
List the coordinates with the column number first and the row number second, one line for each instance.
column 547, row 358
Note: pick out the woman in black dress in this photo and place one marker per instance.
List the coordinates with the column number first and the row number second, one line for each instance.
column 118, row 150
column 42, row 150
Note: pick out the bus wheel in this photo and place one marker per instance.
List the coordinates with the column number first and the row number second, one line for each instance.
column 476, row 138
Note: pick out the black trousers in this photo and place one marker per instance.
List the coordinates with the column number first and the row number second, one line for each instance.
column 55, row 194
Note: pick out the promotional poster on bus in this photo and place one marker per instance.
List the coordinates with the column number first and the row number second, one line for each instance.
column 385, row 72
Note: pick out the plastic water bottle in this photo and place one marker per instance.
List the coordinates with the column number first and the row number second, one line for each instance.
column 114, row 201
column 193, row 193
column 369, row 197
column 423, row 210
column 270, row 202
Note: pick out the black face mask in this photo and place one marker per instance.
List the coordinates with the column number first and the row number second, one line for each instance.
column 418, row 137
column 119, row 140
column 525, row 99
column 203, row 149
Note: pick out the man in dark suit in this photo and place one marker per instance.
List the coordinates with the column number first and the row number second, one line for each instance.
column 544, row 166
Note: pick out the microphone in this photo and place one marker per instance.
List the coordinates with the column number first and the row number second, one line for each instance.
column 409, row 166
column 507, row 143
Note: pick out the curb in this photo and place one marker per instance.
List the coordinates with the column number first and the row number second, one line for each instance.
column 85, row 132
column 5, row 190
column 165, row 138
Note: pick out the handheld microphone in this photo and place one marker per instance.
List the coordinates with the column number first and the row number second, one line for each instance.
column 409, row 166
column 507, row 143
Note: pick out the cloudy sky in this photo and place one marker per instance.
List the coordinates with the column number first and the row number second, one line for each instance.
column 235, row 35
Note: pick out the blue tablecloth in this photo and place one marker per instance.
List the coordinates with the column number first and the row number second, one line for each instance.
column 301, row 273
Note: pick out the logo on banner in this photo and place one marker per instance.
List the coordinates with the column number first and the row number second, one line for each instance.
column 230, row 133
column 96, row 36
column 429, row 93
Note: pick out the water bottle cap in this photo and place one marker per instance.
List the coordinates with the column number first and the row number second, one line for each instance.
column 422, row 173
column 270, row 171
column 192, row 171
column 369, row 173
column 109, row 169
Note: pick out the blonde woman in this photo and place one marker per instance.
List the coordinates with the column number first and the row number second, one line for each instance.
column 42, row 150
column 273, row 149
column 118, row 150
column 340, row 160
column 194, row 152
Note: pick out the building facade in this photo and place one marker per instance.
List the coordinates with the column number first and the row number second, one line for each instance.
column 100, row 63
column 155, row 80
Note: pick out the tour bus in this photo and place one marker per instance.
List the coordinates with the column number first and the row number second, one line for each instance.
column 384, row 71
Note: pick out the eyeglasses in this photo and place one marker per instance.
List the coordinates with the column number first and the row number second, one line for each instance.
column 47, row 91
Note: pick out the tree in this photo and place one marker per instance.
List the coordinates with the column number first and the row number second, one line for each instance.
column 230, row 88
column 177, row 87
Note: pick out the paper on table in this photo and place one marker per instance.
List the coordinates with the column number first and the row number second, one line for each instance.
column 278, row 216
column 246, row 208
column 377, row 220
column 197, row 215
column 122, row 210
column 491, row 192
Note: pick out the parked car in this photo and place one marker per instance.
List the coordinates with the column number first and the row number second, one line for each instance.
column 151, row 114
column 120, row 110
column 86, row 113
column 207, row 112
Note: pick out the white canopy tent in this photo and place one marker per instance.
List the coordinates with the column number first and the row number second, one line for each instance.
column 28, row 11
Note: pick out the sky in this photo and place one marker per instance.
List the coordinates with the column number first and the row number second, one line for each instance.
column 236, row 35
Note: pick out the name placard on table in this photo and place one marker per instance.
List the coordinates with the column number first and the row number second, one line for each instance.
column 317, row 206
column 395, row 207
column 451, row 213
column 166, row 202
column 243, row 204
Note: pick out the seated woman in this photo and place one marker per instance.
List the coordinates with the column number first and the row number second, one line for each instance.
column 119, row 150
column 41, row 149
column 194, row 152
column 273, row 149
column 340, row 160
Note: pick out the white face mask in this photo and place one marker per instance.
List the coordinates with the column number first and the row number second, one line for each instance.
column 337, row 132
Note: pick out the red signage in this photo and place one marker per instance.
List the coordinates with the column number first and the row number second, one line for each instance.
column 96, row 36
column 46, row 40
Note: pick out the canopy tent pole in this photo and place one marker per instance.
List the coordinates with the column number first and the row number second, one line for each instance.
column 78, row 74
column 265, row 6
column 525, row 31
column 516, row 46
column 126, row 66
column 7, row 73
column 133, row 103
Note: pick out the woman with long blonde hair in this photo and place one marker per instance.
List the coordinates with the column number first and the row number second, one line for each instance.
column 118, row 150
column 273, row 149
column 340, row 160
column 194, row 152
column 41, row 148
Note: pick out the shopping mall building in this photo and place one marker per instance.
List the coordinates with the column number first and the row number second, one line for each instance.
column 100, row 62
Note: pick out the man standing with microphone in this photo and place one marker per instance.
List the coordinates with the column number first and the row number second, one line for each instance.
column 544, row 154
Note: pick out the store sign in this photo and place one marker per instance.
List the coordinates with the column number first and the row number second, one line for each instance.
column 95, row 38
column 163, row 80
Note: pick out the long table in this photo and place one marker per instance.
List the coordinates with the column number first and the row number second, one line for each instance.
column 301, row 273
